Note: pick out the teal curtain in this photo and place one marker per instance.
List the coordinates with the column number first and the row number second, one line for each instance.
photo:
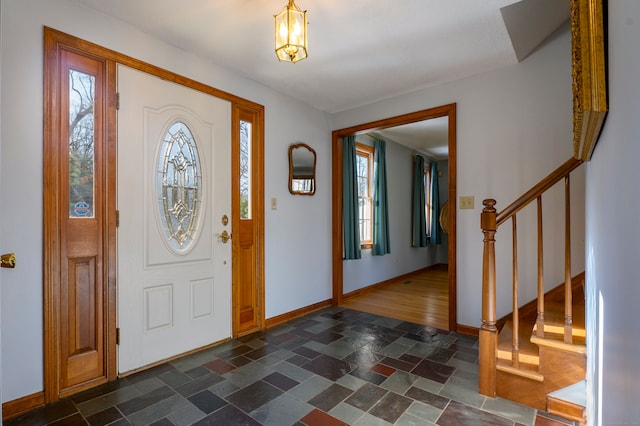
column 435, row 236
column 380, row 205
column 350, row 218
column 419, row 220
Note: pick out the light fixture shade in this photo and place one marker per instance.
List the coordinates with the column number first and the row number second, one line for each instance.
column 291, row 33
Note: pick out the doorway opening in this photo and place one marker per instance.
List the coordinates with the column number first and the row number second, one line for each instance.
column 448, row 111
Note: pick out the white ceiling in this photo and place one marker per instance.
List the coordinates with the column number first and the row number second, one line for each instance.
column 429, row 137
column 360, row 51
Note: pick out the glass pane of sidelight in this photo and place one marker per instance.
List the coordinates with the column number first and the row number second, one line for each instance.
column 81, row 144
column 245, row 170
column 179, row 186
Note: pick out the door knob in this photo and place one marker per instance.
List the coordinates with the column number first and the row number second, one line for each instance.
column 8, row 260
column 224, row 236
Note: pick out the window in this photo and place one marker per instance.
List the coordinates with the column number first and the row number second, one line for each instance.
column 364, row 167
column 427, row 197
column 179, row 186
column 81, row 144
column 246, row 130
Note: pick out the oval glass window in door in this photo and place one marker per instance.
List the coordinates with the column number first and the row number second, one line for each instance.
column 179, row 187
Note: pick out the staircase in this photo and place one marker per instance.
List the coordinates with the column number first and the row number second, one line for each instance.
column 539, row 350
column 546, row 364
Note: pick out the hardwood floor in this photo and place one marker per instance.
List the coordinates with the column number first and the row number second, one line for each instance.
column 422, row 298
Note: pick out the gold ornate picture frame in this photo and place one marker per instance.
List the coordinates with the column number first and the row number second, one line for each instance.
column 588, row 64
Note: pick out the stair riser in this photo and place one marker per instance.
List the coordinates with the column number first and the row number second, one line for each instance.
column 559, row 368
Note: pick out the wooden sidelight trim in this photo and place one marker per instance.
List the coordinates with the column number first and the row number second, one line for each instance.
column 53, row 227
column 336, row 185
column 253, row 226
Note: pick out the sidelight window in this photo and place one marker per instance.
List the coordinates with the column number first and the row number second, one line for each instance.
column 81, row 144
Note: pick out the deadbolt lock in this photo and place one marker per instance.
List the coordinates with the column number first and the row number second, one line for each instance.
column 225, row 220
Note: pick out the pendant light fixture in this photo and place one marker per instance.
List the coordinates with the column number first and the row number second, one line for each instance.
column 291, row 33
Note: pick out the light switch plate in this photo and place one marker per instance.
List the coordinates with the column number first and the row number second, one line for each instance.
column 274, row 204
column 466, row 202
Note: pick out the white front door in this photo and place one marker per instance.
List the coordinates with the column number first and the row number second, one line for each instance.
column 174, row 171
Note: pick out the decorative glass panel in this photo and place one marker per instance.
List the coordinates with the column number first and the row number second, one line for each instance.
column 179, row 186
column 245, row 170
column 81, row 144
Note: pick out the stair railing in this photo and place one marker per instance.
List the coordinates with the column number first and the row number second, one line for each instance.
column 490, row 221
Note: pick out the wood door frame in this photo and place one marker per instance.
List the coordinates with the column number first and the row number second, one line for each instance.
column 52, row 220
column 336, row 207
column 54, row 42
column 238, row 113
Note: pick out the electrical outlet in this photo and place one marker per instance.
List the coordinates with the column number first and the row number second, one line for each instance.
column 466, row 202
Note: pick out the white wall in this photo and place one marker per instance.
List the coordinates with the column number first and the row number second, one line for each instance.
column 513, row 128
column 613, row 233
column 294, row 278
column 403, row 258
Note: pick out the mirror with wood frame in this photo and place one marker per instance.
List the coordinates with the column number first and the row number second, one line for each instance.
column 302, row 169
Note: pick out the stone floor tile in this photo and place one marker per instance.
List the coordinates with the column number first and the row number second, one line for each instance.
column 352, row 382
column 505, row 408
column 371, row 420
column 399, row 382
column 462, row 393
column 207, row 402
column 366, row 397
column 328, row 367
column 185, row 416
column 283, row 410
column 320, row 418
column 253, row 396
column 310, row 388
column 427, row 397
column 157, row 411
column 105, row 417
column 459, row 414
column 111, row 399
column 228, row 415
column 280, row 381
column 423, row 411
column 391, row 407
column 293, row 371
column 347, row 413
column 330, row 397
column 247, row 374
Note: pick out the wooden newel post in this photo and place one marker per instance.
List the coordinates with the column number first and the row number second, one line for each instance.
column 488, row 331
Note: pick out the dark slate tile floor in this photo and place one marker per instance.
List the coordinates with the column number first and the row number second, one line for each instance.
column 332, row 367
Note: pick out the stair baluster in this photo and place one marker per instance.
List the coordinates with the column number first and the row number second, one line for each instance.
column 568, row 303
column 540, row 317
column 515, row 339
